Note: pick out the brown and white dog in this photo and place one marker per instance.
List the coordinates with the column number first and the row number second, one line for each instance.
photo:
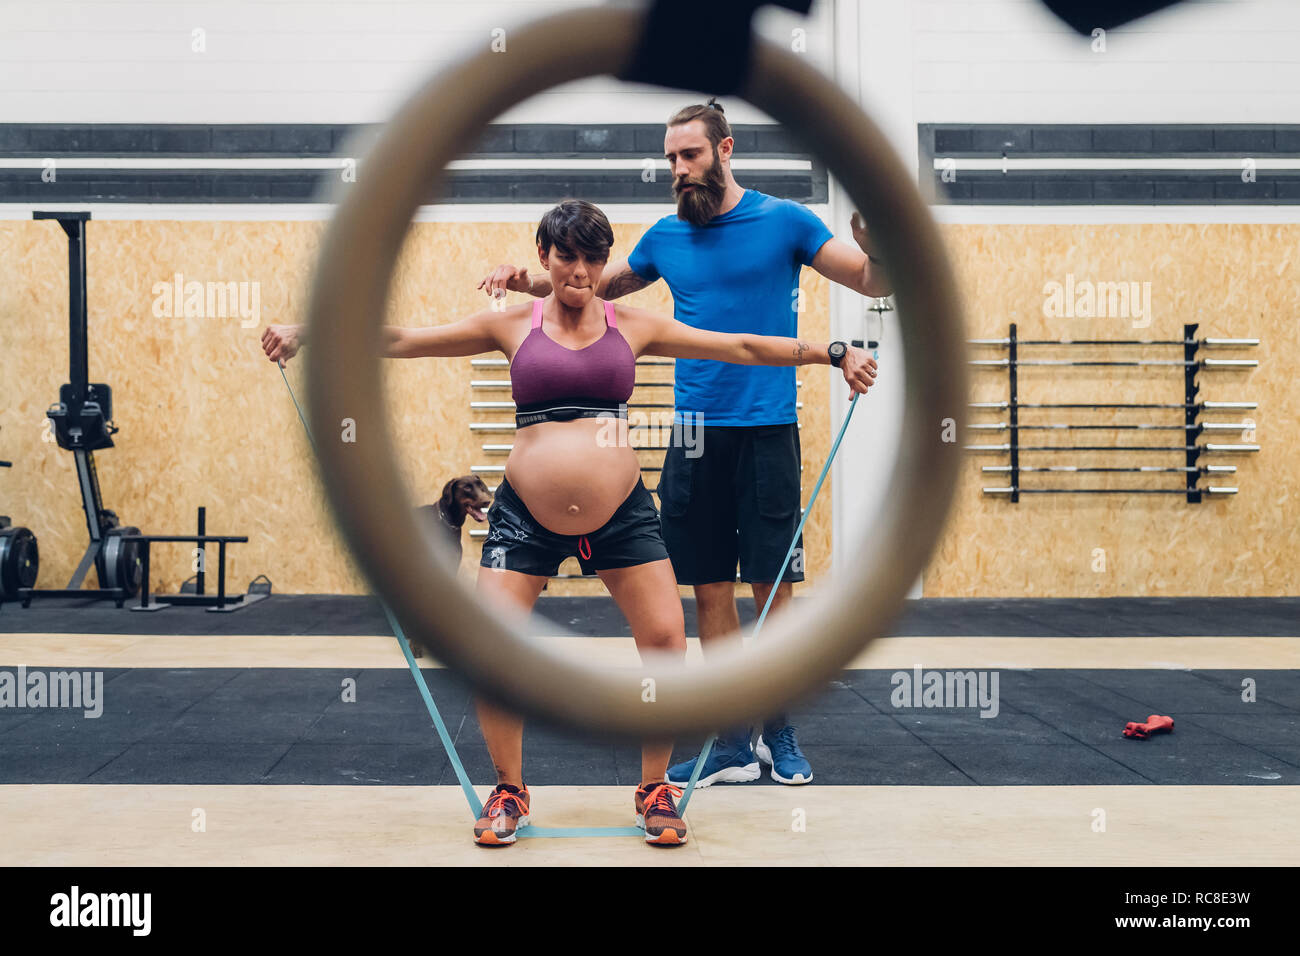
column 461, row 497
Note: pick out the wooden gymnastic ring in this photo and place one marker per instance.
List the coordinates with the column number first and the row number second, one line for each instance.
column 799, row 651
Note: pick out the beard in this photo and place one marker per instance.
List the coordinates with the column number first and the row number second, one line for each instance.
column 698, row 206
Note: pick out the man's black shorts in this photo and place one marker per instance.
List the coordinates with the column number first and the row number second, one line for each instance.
column 517, row 542
column 737, row 502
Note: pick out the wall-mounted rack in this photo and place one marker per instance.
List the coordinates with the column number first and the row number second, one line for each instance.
column 1191, row 363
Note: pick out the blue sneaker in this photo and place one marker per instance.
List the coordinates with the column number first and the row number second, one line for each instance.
column 780, row 750
column 729, row 762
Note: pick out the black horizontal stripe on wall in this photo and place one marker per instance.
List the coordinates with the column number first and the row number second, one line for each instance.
column 536, row 140
column 1074, row 187
column 299, row 186
column 1112, row 140
column 1234, row 144
column 500, row 143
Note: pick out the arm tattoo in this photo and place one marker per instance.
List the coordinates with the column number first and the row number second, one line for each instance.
column 799, row 349
column 624, row 283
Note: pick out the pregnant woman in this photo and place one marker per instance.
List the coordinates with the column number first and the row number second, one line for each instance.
column 572, row 485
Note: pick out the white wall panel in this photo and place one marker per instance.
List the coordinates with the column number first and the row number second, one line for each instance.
column 283, row 61
column 1011, row 61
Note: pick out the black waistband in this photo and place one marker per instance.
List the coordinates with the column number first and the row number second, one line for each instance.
column 567, row 411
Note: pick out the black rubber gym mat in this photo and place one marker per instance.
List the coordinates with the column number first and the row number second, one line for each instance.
column 293, row 726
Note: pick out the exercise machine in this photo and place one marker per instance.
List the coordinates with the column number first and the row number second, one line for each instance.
column 82, row 421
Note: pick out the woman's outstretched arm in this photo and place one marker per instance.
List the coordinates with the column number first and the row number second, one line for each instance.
column 473, row 335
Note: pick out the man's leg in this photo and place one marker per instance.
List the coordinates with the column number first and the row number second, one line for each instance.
column 715, row 611
column 768, row 494
column 731, row 757
column 717, row 617
column 784, row 596
column 761, row 589
column 698, row 517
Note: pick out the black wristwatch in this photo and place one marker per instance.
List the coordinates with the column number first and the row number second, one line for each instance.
column 837, row 352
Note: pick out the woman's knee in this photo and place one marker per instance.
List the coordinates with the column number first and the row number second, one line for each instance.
column 665, row 636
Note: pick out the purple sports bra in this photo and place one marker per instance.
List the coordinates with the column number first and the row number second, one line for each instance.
column 570, row 383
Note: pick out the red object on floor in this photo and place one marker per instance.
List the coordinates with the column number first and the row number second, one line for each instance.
column 1155, row 724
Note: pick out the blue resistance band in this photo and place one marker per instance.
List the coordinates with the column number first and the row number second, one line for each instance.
column 758, row 626
column 447, row 745
column 563, row 832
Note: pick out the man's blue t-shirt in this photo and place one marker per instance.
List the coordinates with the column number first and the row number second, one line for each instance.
column 738, row 273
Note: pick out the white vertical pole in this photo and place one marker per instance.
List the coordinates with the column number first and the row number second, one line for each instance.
column 873, row 62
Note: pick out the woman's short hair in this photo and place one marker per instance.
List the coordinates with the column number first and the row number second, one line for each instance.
column 574, row 226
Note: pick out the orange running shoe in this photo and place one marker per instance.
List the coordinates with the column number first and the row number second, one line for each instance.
column 656, row 813
column 505, row 812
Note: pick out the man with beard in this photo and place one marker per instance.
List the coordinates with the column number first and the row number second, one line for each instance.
column 731, row 258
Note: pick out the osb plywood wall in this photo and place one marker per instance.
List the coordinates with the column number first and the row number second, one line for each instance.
column 206, row 419
column 1235, row 281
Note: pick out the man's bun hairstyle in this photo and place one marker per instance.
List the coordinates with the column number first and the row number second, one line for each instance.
column 711, row 114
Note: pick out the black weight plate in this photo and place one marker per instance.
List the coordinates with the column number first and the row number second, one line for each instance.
column 19, row 560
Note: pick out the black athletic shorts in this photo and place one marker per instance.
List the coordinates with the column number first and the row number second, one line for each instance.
column 738, row 501
column 517, row 542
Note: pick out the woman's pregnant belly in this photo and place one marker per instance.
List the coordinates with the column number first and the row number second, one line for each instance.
column 572, row 476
